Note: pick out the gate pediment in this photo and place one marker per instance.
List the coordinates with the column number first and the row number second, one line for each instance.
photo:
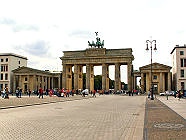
column 29, row 70
column 155, row 66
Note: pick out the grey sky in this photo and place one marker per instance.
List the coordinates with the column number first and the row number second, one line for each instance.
column 48, row 27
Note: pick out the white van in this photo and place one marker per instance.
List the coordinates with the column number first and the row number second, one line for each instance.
column 85, row 91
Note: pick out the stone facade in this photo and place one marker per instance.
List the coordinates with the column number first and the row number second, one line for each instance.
column 161, row 77
column 29, row 78
column 179, row 67
column 9, row 62
column 95, row 57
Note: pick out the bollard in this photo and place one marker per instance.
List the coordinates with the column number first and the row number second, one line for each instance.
column 167, row 97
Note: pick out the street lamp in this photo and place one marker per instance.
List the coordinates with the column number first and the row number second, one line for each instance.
column 147, row 43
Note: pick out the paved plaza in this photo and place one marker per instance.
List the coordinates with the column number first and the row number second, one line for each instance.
column 107, row 117
column 104, row 117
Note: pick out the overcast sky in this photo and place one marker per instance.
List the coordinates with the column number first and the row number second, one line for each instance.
column 42, row 29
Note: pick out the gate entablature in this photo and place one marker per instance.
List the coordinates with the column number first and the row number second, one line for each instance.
column 98, row 55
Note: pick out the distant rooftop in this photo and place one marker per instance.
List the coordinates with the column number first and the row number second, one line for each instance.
column 177, row 46
column 12, row 54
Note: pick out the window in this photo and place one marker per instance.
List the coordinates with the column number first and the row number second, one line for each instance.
column 6, row 59
column 182, row 73
column 181, row 52
column 25, row 78
column 19, row 62
column 6, row 76
column 182, row 86
column 1, row 87
column 4, row 67
column 1, row 60
column 1, row 76
column 155, row 77
column 183, row 62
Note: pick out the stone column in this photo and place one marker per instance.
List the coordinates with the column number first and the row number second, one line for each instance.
column 34, row 82
column 104, row 76
column 59, row 82
column 75, row 76
column 52, row 82
column 28, row 82
column 42, row 82
column 161, row 84
column 14, row 83
column 46, row 83
column 49, row 83
column 107, row 78
column 163, row 81
column 142, row 83
column 20, row 81
column 134, row 82
column 148, row 82
column 91, row 77
column 88, row 76
column 80, row 77
column 69, row 77
column 117, row 77
column 64, row 76
column 129, row 76
column 169, row 81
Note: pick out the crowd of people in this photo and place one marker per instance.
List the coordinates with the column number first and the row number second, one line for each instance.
column 19, row 92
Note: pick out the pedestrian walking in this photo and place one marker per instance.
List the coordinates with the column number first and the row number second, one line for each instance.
column 3, row 93
column 29, row 93
column 40, row 92
column 179, row 94
column 17, row 92
column 6, row 93
column 94, row 93
column 20, row 92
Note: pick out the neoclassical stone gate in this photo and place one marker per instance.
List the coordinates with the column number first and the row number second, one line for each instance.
column 95, row 57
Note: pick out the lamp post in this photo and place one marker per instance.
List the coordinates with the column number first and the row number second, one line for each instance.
column 149, row 42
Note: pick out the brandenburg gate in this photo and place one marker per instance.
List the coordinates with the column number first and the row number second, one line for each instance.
column 95, row 55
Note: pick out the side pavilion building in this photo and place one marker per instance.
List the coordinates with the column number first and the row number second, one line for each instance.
column 161, row 77
column 29, row 78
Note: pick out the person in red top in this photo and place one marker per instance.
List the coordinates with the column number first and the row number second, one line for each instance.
column 40, row 92
column 94, row 93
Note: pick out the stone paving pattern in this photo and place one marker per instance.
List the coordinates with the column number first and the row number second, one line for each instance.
column 13, row 101
column 162, row 123
column 101, row 118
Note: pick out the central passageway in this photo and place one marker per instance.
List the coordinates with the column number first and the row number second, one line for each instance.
column 109, row 117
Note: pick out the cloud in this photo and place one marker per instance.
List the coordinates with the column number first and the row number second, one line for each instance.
column 7, row 21
column 81, row 34
column 18, row 28
column 38, row 48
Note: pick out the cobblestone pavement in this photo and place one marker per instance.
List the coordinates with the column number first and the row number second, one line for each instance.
column 161, row 122
column 102, row 118
column 13, row 101
column 177, row 105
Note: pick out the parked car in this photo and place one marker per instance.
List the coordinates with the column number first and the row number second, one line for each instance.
column 85, row 92
column 169, row 93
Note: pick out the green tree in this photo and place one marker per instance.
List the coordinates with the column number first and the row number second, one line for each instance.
column 97, row 82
